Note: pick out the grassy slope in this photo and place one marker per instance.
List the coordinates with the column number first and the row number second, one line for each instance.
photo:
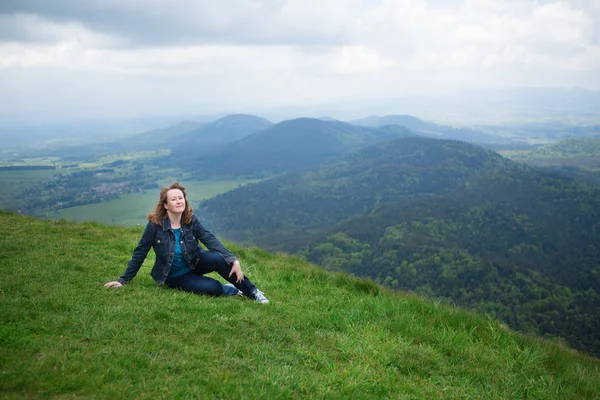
column 62, row 335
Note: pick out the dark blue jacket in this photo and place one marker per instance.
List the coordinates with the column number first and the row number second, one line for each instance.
column 162, row 239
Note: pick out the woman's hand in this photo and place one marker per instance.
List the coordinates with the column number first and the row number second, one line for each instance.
column 113, row 284
column 237, row 270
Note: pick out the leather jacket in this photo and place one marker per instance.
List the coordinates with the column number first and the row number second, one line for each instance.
column 162, row 239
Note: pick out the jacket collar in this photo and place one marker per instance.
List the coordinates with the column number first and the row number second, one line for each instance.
column 166, row 225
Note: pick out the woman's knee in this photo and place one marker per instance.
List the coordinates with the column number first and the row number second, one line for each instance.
column 212, row 260
column 199, row 285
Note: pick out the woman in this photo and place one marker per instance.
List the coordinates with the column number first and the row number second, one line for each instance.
column 173, row 231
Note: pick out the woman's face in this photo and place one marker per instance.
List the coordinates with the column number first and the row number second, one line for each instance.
column 175, row 201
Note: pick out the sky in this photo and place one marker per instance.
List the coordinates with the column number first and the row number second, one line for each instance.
column 136, row 57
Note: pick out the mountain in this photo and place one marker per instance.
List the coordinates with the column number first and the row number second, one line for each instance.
column 163, row 136
column 295, row 144
column 576, row 152
column 217, row 134
column 575, row 158
column 445, row 218
column 430, row 129
column 309, row 200
column 324, row 335
column 412, row 123
column 523, row 251
column 29, row 131
column 156, row 139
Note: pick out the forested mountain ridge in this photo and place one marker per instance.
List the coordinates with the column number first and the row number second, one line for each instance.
column 309, row 200
column 443, row 218
column 294, row 144
column 529, row 255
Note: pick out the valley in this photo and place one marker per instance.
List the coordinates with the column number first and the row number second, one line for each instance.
column 117, row 189
column 493, row 223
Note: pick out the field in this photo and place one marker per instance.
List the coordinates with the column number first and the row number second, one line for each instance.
column 135, row 169
column 323, row 336
column 131, row 209
column 12, row 182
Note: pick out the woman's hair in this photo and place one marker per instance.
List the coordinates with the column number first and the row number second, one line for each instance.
column 160, row 212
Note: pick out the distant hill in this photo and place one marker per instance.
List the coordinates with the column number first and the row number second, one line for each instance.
column 577, row 152
column 163, row 136
column 430, row 129
column 295, row 144
column 440, row 207
column 216, row 135
column 48, row 136
column 408, row 121
column 548, row 131
column 323, row 336
column 576, row 158
column 156, row 139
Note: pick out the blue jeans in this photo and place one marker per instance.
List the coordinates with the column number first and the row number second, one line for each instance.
column 196, row 282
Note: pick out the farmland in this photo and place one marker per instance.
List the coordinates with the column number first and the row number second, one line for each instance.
column 131, row 209
column 117, row 190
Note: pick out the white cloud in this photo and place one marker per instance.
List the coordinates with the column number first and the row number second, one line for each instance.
column 288, row 51
column 31, row 28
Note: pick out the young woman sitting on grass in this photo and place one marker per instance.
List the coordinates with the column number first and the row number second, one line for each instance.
column 173, row 231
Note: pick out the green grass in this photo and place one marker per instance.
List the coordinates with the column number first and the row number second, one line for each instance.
column 131, row 209
column 63, row 335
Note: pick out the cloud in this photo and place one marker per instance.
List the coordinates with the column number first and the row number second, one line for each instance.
column 290, row 51
column 164, row 22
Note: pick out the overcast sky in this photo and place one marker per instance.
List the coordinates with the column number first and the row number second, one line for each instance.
column 115, row 57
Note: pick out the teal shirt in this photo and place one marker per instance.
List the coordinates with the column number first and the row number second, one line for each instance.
column 178, row 266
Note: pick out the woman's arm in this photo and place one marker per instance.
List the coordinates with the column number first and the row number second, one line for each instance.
column 139, row 255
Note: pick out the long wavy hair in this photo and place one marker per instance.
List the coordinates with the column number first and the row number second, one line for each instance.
column 160, row 212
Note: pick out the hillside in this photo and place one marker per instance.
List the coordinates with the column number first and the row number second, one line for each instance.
column 324, row 335
column 159, row 138
column 156, row 139
column 575, row 158
column 216, row 135
column 574, row 152
column 535, row 271
column 295, row 144
column 444, row 218
column 431, row 129
column 309, row 200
